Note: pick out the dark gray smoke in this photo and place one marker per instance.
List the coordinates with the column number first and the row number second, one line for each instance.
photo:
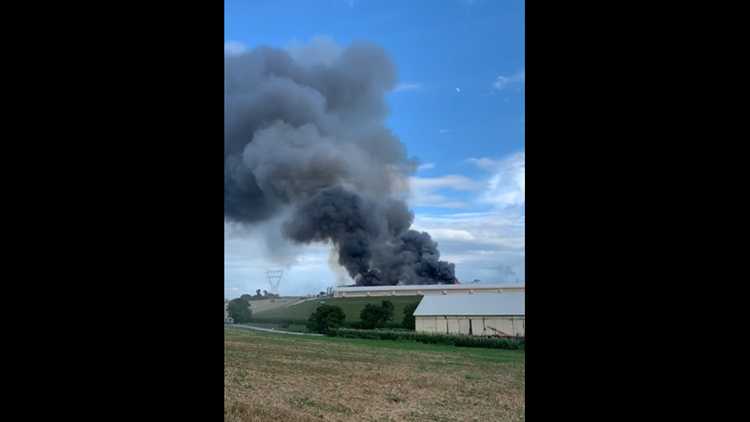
column 304, row 129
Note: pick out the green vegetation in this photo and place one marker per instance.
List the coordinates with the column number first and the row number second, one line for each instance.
column 299, row 328
column 270, row 377
column 239, row 311
column 325, row 318
column 352, row 307
column 374, row 316
column 409, row 320
column 258, row 296
column 444, row 339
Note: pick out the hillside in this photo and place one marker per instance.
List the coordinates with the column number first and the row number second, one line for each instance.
column 352, row 306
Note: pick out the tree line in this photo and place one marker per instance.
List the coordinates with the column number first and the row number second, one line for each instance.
column 330, row 317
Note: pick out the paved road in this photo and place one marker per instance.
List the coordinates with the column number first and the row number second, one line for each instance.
column 271, row 330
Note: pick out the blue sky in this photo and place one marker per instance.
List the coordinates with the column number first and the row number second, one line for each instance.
column 460, row 108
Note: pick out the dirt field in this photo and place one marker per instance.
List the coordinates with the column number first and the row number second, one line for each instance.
column 279, row 377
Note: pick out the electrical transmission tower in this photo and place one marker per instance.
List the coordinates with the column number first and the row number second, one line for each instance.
column 274, row 279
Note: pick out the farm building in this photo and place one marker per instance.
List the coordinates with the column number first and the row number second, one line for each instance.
column 227, row 318
column 478, row 315
column 428, row 289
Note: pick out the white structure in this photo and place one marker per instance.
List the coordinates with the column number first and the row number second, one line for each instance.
column 227, row 318
column 475, row 315
column 428, row 289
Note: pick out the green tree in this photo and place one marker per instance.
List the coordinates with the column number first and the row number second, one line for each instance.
column 388, row 307
column 246, row 297
column 374, row 316
column 326, row 317
column 409, row 320
column 239, row 310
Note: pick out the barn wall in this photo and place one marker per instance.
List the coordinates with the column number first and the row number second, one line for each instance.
column 363, row 292
column 515, row 326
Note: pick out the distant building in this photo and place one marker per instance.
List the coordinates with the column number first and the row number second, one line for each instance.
column 428, row 289
column 227, row 318
column 478, row 315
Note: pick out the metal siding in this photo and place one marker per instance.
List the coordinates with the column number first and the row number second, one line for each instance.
column 520, row 326
column 463, row 326
column 452, row 325
column 473, row 305
column 477, row 326
column 438, row 287
column 441, row 325
column 419, row 325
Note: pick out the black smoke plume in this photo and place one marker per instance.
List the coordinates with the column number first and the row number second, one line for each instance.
column 304, row 130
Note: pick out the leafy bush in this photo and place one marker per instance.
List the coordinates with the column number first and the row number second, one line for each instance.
column 457, row 340
column 374, row 316
column 409, row 320
column 239, row 310
column 359, row 325
column 325, row 318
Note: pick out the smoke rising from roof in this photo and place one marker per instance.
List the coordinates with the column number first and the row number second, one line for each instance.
column 304, row 137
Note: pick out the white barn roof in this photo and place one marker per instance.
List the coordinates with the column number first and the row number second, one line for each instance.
column 478, row 286
column 501, row 304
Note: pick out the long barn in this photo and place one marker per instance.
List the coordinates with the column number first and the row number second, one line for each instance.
column 428, row 289
column 478, row 315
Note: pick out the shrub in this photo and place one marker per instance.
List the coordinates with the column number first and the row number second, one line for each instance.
column 374, row 316
column 325, row 318
column 457, row 340
column 409, row 320
column 239, row 310
column 359, row 325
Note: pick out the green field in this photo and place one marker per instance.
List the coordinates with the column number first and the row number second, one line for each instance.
column 352, row 306
column 292, row 328
column 281, row 377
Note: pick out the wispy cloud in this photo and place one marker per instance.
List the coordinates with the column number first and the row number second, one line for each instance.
column 234, row 47
column 424, row 190
column 426, row 166
column 488, row 246
column 470, row 2
column 407, row 87
column 444, row 130
column 506, row 186
column 503, row 82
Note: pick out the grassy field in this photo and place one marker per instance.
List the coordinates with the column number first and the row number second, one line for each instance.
column 266, row 304
column 279, row 377
column 352, row 306
column 292, row 328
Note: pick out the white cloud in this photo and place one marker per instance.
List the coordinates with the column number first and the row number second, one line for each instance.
column 426, row 166
column 423, row 190
column 482, row 245
column 320, row 50
column 234, row 47
column 444, row 130
column 506, row 186
column 458, row 89
column 490, row 246
column 407, row 87
column 503, row 82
